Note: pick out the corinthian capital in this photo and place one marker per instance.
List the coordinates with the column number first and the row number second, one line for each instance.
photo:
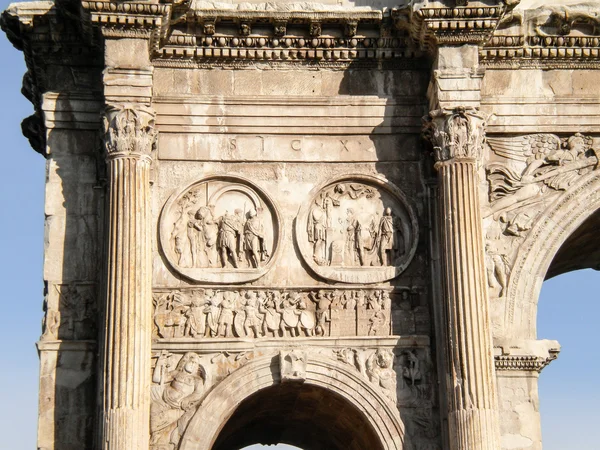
column 456, row 134
column 129, row 131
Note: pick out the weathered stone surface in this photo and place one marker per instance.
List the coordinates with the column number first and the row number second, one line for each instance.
column 248, row 240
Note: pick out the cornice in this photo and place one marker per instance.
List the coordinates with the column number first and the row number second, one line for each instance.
column 434, row 26
column 524, row 355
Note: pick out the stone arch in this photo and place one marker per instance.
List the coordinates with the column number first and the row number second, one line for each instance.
column 549, row 232
column 221, row 403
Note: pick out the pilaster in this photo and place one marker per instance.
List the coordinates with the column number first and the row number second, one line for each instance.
column 457, row 136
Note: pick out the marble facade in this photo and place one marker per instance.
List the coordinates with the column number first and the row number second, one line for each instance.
column 325, row 224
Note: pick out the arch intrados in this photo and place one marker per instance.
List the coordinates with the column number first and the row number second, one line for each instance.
column 551, row 229
column 310, row 417
column 221, row 403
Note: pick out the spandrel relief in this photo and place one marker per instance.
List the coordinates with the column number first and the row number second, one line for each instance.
column 271, row 313
column 357, row 229
column 221, row 229
column 180, row 382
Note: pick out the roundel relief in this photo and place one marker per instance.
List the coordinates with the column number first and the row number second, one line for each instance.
column 220, row 229
column 357, row 229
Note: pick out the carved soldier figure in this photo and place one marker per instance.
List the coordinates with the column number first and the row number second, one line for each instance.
column 290, row 316
column 213, row 309
column 388, row 241
column 254, row 239
column 253, row 317
column 272, row 317
column 174, row 397
column 226, row 317
column 196, row 315
column 323, row 313
column 307, row 317
column 230, row 231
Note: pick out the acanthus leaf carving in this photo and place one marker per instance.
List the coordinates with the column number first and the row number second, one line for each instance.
column 456, row 134
column 129, row 131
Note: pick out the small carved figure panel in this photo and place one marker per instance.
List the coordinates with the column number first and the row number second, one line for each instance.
column 260, row 313
column 70, row 312
column 357, row 230
column 220, row 229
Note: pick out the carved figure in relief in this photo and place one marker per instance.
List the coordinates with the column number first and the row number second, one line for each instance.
column 213, row 311
column 388, row 240
column 218, row 224
column 290, row 316
column 50, row 322
column 497, row 268
column 272, row 317
column 354, row 245
column 317, row 235
column 229, row 240
column 174, row 397
column 378, row 319
column 196, row 316
column 323, row 311
column 254, row 239
column 307, row 320
column 226, row 316
column 253, row 320
column 379, row 369
column 545, row 163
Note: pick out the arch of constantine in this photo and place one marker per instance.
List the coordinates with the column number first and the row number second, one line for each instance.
column 322, row 224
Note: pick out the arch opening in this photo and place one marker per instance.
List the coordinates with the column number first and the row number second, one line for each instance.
column 305, row 416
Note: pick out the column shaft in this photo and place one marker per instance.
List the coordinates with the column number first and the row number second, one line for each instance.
column 473, row 417
column 126, row 344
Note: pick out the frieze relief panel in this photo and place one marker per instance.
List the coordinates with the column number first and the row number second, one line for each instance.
column 357, row 229
column 221, row 229
column 205, row 313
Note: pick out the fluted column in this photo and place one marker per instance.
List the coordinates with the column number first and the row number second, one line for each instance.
column 126, row 347
column 457, row 136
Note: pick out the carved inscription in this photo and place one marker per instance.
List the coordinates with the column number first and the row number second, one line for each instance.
column 354, row 227
column 216, row 227
column 213, row 313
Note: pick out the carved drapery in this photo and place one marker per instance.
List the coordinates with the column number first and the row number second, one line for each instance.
column 457, row 137
column 126, row 347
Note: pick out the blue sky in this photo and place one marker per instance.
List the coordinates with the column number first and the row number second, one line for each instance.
column 569, row 306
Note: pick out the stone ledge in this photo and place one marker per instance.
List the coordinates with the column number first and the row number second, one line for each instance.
column 243, row 345
column 524, row 355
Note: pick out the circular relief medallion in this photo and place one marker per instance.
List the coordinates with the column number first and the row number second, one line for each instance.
column 221, row 229
column 357, row 229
